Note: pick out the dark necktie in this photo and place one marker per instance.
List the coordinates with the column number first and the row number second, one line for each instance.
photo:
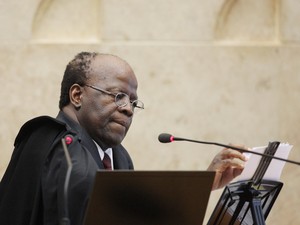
column 106, row 162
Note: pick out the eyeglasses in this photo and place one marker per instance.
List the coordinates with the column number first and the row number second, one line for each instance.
column 121, row 99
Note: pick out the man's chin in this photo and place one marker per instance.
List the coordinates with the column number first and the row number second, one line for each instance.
column 114, row 140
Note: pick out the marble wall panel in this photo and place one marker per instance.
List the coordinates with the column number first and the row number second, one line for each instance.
column 225, row 71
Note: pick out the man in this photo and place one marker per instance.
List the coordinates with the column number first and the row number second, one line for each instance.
column 97, row 103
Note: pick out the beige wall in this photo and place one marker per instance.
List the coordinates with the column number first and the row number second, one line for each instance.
column 214, row 70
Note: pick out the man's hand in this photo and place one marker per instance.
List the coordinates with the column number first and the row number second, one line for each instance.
column 227, row 164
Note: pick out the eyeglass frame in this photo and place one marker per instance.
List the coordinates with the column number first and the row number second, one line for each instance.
column 116, row 100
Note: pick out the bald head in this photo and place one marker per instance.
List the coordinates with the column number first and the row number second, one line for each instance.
column 105, row 66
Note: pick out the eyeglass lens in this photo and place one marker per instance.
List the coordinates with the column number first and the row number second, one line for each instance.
column 122, row 100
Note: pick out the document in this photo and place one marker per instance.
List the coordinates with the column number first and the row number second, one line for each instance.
column 275, row 168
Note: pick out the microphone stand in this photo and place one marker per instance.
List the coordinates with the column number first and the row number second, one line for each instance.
column 249, row 201
column 65, row 219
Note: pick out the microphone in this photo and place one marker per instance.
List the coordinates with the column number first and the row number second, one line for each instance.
column 167, row 138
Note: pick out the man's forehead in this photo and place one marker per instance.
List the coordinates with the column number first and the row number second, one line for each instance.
column 109, row 61
column 110, row 67
column 108, row 64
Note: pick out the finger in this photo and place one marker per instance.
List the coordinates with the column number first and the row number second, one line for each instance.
column 237, row 172
column 242, row 147
column 232, row 163
column 237, row 163
column 230, row 153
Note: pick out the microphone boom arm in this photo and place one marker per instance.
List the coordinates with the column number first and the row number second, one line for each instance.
column 235, row 148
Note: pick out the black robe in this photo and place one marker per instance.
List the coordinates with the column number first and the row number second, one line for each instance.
column 32, row 188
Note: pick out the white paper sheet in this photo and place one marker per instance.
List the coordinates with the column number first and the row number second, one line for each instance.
column 275, row 168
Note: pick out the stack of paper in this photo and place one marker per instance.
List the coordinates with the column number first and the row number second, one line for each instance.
column 275, row 168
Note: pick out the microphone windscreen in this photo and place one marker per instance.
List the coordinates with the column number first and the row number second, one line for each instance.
column 165, row 138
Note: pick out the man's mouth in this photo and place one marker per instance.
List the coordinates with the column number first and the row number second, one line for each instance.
column 120, row 122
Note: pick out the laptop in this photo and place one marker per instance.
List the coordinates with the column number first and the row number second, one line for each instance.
column 149, row 198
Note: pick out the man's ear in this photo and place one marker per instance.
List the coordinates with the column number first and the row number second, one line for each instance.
column 75, row 94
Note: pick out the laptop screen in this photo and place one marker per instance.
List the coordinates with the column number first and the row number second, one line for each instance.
column 149, row 198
